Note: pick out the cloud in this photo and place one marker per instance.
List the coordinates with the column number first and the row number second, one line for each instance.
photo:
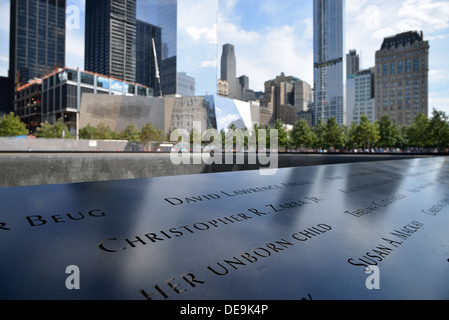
column 369, row 22
column 265, row 53
column 207, row 34
column 209, row 63
column 426, row 13
column 75, row 49
column 439, row 101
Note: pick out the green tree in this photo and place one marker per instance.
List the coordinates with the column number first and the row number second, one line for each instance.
column 195, row 136
column 439, row 130
column 350, row 136
column 367, row 133
column 88, row 132
column 131, row 133
column 333, row 135
column 57, row 131
column 283, row 137
column 11, row 126
column 389, row 133
column 302, row 135
column 149, row 133
column 256, row 129
column 320, row 134
column 103, row 132
column 418, row 132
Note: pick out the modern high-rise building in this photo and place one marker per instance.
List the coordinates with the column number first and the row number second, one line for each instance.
column 238, row 88
column 352, row 68
column 402, row 67
column 287, row 96
column 329, row 62
column 352, row 63
column 37, row 39
column 363, row 96
column 188, row 44
column 110, row 38
column 229, row 69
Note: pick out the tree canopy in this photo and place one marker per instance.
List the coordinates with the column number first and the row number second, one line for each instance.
column 53, row 131
column 11, row 126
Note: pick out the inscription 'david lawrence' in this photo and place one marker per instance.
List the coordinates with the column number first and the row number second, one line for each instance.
column 176, row 201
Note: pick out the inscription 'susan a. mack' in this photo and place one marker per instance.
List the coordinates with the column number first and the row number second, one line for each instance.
column 301, row 233
column 387, row 246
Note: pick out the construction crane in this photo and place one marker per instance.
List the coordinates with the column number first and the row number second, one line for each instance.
column 157, row 67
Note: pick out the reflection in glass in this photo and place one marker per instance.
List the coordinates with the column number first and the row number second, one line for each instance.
column 103, row 82
column 188, row 47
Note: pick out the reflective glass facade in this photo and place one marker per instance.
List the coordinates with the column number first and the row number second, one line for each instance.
column 188, row 44
column 329, row 62
column 37, row 38
column 110, row 47
column 148, row 59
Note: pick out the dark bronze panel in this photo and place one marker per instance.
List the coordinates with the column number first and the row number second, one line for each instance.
column 308, row 232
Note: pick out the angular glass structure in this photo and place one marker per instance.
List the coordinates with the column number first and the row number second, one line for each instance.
column 329, row 62
column 188, row 65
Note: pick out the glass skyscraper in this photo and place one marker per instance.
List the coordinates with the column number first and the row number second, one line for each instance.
column 110, row 40
column 329, row 62
column 37, row 38
column 188, row 44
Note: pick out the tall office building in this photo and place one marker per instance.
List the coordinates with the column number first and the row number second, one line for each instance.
column 402, row 68
column 352, row 68
column 352, row 63
column 363, row 96
column 287, row 96
column 37, row 39
column 238, row 88
column 329, row 62
column 188, row 44
column 229, row 69
column 110, row 40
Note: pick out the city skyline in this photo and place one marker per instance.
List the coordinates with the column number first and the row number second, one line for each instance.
column 270, row 39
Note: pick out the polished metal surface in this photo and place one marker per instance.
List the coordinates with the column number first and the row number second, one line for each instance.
column 308, row 232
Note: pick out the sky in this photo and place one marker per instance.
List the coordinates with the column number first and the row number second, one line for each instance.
column 271, row 37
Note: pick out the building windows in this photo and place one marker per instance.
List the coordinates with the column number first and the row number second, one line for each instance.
column 87, row 78
column 393, row 68
column 416, row 64
column 400, row 66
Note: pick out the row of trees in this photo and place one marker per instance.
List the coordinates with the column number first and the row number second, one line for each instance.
column 11, row 126
column 424, row 134
column 131, row 133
